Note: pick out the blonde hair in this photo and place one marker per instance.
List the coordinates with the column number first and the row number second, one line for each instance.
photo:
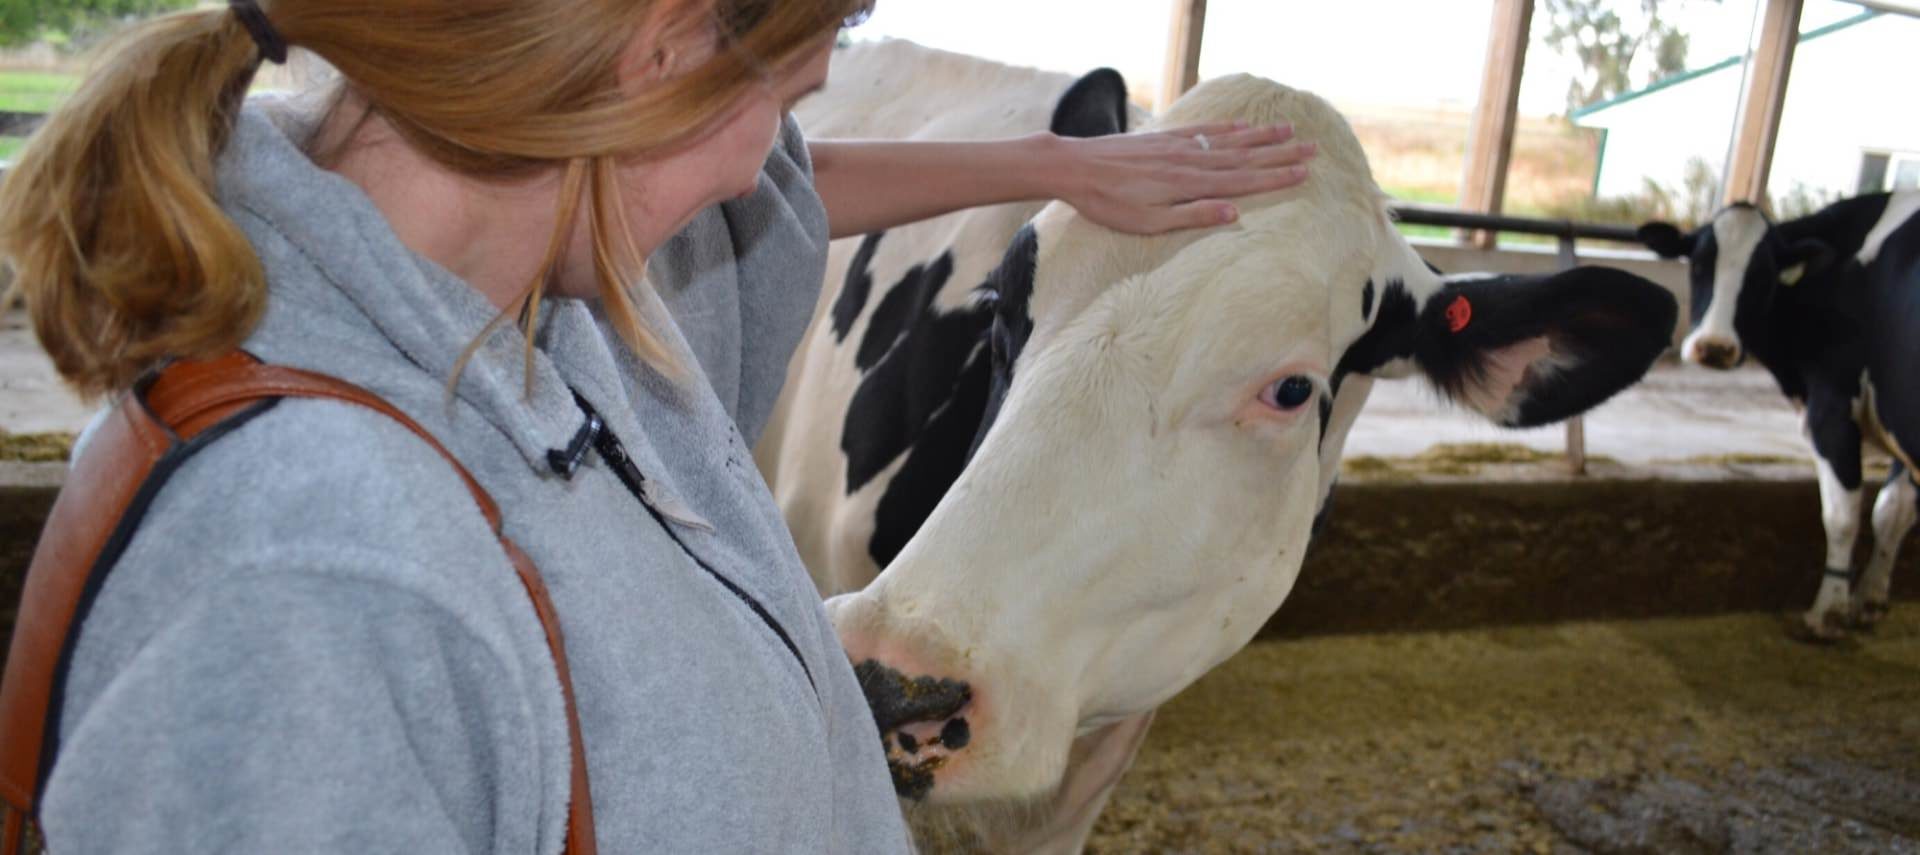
column 109, row 219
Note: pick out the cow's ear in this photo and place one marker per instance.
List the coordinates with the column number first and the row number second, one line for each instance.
column 1665, row 239
column 1532, row 350
column 1809, row 257
column 1094, row 106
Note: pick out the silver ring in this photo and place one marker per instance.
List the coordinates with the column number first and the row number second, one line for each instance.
column 1205, row 144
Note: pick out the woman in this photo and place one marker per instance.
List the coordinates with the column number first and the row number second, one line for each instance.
column 314, row 642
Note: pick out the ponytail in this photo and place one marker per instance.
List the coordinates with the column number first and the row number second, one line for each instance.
column 108, row 218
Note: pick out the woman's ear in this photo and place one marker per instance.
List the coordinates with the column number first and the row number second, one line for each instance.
column 671, row 39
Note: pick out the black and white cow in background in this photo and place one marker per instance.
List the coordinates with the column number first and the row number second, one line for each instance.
column 1830, row 304
column 1090, row 462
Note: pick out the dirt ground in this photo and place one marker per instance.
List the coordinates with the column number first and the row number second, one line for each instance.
column 1700, row 735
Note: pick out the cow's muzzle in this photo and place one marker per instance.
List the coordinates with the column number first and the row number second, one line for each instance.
column 1714, row 353
column 922, row 722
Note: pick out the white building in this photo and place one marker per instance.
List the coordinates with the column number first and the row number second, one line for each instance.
column 1850, row 124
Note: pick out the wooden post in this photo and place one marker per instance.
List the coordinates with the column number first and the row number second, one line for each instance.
column 1183, row 50
column 1490, row 142
column 1759, row 123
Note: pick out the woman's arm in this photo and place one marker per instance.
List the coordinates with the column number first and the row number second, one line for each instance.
column 1137, row 183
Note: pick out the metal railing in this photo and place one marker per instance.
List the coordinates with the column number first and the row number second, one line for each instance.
column 1566, row 231
column 15, row 124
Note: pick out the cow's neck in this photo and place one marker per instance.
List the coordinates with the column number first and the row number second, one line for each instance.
column 1813, row 329
column 1843, row 225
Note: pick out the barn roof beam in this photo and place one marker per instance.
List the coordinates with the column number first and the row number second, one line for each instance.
column 1758, row 125
column 1184, row 33
column 1898, row 7
column 1496, row 114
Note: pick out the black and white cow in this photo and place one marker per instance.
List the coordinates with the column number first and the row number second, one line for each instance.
column 1830, row 304
column 1090, row 462
column 905, row 307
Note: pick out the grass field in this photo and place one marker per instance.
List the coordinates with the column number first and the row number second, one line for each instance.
column 1418, row 156
column 30, row 92
column 34, row 91
column 1423, row 196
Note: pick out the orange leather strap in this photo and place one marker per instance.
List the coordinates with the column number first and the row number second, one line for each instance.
column 182, row 402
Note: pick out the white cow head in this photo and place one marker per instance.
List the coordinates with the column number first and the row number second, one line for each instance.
column 1167, row 419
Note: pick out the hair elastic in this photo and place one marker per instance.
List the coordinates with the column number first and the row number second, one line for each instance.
column 273, row 48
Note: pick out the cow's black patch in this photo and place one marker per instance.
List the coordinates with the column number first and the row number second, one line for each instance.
column 933, row 380
column 939, row 454
column 1831, row 427
column 1012, row 286
column 1390, row 337
column 909, row 384
column 904, row 305
column 940, row 450
column 853, row 292
column 1366, row 301
column 1893, row 328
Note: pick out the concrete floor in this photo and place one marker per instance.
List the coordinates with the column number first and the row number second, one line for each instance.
column 1679, row 413
column 32, row 398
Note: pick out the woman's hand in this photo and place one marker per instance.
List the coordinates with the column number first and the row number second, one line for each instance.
column 1137, row 183
column 1179, row 178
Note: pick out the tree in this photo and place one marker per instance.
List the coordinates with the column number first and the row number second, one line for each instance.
column 27, row 21
column 1608, row 46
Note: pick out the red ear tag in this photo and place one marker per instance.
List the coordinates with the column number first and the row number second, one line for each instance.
column 1459, row 314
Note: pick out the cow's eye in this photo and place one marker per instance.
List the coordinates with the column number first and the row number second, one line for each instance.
column 1288, row 393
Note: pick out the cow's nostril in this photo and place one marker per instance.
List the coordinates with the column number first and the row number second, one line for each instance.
column 1715, row 353
column 956, row 734
column 1721, row 355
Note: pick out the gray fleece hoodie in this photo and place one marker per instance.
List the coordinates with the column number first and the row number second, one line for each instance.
column 315, row 644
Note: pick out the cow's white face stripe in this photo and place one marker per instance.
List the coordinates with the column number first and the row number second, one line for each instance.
column 1737, row 232
column 1902, row 207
